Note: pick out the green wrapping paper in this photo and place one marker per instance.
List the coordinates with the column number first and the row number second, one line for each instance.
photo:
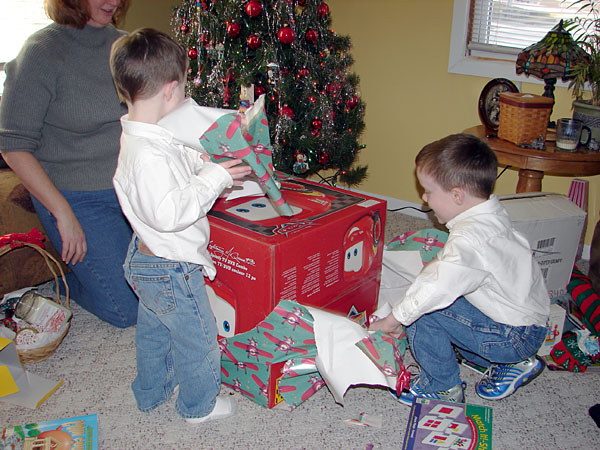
column 428, row 242
column 246, row 136
column 286, row 335
column 282, row 349
column 386, row 353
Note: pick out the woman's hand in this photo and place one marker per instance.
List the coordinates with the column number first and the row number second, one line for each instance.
column 74, row 245
column 35, row 179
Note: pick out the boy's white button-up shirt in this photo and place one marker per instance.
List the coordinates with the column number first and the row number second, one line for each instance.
column 165, row 191
column 488, row 262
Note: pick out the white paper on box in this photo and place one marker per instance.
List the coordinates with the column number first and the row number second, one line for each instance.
column 553, row 225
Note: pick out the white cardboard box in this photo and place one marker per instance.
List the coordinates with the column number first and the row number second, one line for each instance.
column 553, row 225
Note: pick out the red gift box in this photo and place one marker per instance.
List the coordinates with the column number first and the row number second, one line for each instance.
column 328, row 255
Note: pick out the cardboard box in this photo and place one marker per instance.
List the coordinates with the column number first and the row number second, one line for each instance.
column 553, row 225
column 328, row 255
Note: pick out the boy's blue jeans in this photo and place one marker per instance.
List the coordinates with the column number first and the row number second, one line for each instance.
column 478, row 338
column 176, row 335
column 97, row 283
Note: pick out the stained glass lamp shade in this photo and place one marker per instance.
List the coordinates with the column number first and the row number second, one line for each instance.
column 551, row 58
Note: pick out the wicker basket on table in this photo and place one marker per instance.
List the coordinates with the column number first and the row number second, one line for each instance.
column 524, row 117
column 34, row 239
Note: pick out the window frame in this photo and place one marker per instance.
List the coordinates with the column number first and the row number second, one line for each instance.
column 488, row 66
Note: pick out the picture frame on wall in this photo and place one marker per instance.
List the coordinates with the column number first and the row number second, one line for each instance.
column 489, row 101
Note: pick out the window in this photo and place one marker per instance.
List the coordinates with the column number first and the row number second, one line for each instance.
column 487, row 35
column 18, row 19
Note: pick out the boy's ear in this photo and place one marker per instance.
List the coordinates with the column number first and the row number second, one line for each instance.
column 458, row 195
column 169, row 88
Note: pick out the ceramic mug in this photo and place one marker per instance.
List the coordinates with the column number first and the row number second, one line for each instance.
column 568, row 134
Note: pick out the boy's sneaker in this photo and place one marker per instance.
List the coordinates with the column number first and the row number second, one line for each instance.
column 501, row 380
column 455, row 394
column 225, row 406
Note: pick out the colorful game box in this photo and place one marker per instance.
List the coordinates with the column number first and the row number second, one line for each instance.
column 65, row 434
column 437, row 424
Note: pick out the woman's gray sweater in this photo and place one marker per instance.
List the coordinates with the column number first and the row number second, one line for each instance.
column 60, row 104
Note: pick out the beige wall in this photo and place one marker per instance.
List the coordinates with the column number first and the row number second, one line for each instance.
column 401, row 51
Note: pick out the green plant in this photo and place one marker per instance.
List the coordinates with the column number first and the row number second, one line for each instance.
column 586, row 31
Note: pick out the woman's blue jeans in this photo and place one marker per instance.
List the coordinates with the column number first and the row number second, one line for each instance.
column 477, row 337
column 176, row 335
column 97, row 283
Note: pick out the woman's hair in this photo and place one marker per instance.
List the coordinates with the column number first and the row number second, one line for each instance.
column 144, row 61
column 460, row 160
column 76, row 12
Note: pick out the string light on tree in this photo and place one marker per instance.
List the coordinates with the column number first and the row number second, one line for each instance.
column 287, row 51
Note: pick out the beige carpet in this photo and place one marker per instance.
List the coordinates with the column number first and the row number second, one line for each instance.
column 97, row 364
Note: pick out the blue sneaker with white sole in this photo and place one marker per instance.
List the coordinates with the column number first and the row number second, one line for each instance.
column 501, row 380
column 454, row 394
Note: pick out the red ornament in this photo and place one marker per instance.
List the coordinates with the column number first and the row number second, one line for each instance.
column 254, row 41
column 184, row 28
column 233, row 30
column 324, row 159
column 352, row 102
column 333, row 88
column 204, row 38
column 315, row 133
column 303, row 72
column 311, row 36
column 323, row 9
column 259, row 90
column 301, row 2
column 286, row 111
column 253, row 8
column 286, row 35
column 192, row 53
column 317, row 124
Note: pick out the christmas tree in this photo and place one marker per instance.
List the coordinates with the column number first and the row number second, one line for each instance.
column 286, row 50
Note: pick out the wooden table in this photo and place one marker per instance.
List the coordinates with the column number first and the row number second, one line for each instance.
column 533, row 164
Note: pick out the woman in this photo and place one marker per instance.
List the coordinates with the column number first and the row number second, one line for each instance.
column 59, row 132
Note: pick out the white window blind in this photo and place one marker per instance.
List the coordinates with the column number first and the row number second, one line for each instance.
column 508, row 26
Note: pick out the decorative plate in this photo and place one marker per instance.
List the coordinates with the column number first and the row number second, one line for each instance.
column 489, row 101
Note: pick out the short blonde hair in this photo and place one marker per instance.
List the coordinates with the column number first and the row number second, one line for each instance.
column 76, row 12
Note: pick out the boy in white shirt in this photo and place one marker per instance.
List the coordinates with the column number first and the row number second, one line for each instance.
column 483, row 294
column 165, row 191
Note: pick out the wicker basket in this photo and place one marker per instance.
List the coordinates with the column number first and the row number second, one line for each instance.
column 44, row 352
column 524, row 117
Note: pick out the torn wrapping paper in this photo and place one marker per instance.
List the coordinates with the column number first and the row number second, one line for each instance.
column 403, row 258
column 297, row 349
column 348, row 355
column 427, row 242
column 279, row 351
column 227, row 133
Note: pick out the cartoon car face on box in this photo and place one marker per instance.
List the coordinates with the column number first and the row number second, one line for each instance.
column 222, row 301
column 305, row 203
column 360, row 246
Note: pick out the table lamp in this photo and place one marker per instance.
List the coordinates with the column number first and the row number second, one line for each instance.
column 551, row 58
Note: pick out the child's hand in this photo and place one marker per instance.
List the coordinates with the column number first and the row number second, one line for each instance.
column 388, row 325
column 236, row 170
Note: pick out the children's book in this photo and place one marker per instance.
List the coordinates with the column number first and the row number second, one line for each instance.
column 75, row 433
column 437, row 424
